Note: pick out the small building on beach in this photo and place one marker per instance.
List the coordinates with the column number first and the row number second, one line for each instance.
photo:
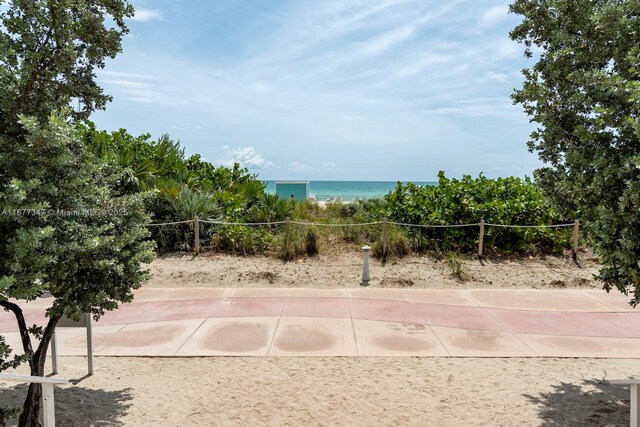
column 292, row 190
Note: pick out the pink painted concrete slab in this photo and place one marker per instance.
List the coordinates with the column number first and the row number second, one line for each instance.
column 538, row 322
column 248, row 307
column 576, row 314
column 383, row 310
column 457, row 316
column 180, row 309
column 396, row 339
column 481, row 343
column 162, row 294
column 259, row 292
column 150, row 339
column 441, row 296
column 572, row 300
column 244, row 336
column 609, row 324
column 532, row 299
column 614, row 299
column 317, row 293
column 317, row 307
column 32, row 316
column 509, row 299
column 306, row 336
column 564, row 346
column 377, row 293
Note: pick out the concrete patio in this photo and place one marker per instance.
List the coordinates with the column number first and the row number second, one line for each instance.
column 357, row 322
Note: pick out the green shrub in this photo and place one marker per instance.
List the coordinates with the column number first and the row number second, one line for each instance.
column 500, row 201
column 312, row 244
column 456, row 265
column 302, row 241
column 398, row 245
column 240, row 239
column 270, row 208
column 177, row 202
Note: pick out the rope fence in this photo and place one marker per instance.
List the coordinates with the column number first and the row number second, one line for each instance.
column 574, row 238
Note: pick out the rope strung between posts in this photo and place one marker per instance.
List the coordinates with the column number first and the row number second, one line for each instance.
column 170, row 223
column 361, row 224
column 434, row 225
column 529, row 226
column 242, row 223
column 354, row 224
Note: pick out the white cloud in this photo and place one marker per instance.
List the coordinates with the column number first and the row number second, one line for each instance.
column 299, row 167
column 330, row 167
column 144, row 15
column 494, row 15
column 246, row 156
column 386, row 41
column 122, row 74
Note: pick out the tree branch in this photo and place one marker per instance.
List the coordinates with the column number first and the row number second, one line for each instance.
column 22, row 326
column 41, row 352
column 28, row 87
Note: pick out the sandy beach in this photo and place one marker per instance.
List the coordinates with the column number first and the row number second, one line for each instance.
column 343, row 269
column 323, row 391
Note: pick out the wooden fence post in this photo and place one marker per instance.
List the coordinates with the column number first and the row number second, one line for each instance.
column 574, row 240
column 286, row 237
column 196, row 231
column 384, row 239
column 481, row 239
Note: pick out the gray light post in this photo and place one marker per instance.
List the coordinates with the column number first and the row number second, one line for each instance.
column 365, row 268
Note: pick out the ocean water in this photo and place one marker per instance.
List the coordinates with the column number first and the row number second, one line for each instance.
column 348, row 190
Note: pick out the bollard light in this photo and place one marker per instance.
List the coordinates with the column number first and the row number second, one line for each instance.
column 365, row 267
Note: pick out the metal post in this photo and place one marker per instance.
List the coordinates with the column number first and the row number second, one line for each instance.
column 48, row 406
column 574, row 240
column 196, row 231
column 89, row 344
column 286, row 237
column 481, row 239
column 384, row 239
column 54, row 353
column 635, row 404
column 365, row 268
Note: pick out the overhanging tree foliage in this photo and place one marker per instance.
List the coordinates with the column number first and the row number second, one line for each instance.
column 584, row 92
column 65, row 228
column 66, row 232
column 49, row 50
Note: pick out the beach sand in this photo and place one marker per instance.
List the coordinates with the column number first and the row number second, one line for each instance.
column 343, row 269
column 339, row 391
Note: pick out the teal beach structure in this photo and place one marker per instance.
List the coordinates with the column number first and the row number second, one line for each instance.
column 296, row 190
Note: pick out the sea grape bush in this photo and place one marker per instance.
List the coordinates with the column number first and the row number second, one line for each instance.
column 510, row 201
column 582, row 94
column 178, row 188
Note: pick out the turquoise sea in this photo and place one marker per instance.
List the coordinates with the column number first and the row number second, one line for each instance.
column 348, row 190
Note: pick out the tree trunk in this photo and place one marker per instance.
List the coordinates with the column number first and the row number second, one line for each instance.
column 31, row 408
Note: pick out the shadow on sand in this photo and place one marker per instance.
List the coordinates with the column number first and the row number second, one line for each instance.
column 76, row 405
column 590, row 402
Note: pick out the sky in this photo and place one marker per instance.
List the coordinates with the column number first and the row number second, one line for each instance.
column 379, row 90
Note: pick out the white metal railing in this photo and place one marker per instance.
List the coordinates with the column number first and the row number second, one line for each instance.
column 48, row 404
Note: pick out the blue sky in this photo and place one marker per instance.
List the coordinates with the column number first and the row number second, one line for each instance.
column 327, row 90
